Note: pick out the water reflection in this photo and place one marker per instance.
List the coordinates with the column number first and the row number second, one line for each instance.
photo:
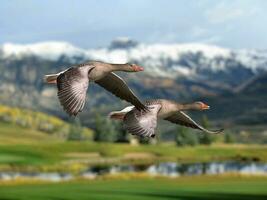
column 170, row 169
column 55, row 177
column 175, row 169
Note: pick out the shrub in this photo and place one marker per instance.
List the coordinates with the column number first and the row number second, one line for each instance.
column 185, row 137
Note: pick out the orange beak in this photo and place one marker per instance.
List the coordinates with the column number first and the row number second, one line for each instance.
column 205, row 106
column 138, row 68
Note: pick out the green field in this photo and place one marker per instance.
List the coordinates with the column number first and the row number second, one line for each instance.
column 29, row 149
column 60, row 152
column 191, row 188
column 34, row 149
column 22, row 147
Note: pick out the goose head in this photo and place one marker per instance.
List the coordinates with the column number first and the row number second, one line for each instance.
column 134, row 68
column 200, row 106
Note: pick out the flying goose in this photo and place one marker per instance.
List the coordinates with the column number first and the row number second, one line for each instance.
column 144, row 123
column 72, row 84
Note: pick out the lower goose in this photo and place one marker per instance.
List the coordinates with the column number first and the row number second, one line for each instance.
column 144, row 123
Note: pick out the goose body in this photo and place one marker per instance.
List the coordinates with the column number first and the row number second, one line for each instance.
column 73, row 83
column 144, row 123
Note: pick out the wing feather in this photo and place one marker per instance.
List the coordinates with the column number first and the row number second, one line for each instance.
column 142, row 123
column 119, row 88
column 182, row 119
column 72, row 87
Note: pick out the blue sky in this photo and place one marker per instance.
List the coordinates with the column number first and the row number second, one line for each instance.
column 227, row 23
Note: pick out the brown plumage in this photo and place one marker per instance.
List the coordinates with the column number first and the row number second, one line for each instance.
column 73, row 83
column 144, row 123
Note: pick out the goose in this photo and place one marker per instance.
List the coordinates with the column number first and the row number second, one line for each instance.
column 72, row 84
column 144, row 123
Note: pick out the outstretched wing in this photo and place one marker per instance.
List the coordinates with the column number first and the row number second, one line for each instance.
column 142, row 123
column 182, row 119
column 72, row 86
column 119, row 88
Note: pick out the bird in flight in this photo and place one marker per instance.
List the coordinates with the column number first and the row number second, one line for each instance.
column 144, row 123
column 73, row 83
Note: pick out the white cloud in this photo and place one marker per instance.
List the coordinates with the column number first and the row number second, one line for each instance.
column 224, row 12
column 211, row 40
column 162, row 36
column 198, row 31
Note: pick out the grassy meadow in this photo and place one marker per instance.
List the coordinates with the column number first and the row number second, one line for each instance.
column 22, row 147
column 29, row 138
column 188, row 188
column 25, row 146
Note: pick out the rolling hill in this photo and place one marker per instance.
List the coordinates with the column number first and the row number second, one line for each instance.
column 226, row 79
column 22, row 126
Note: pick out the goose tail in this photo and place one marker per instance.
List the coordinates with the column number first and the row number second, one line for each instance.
column 119, row 115
column 51, row 78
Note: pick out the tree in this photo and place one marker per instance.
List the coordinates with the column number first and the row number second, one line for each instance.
column 98, row 128
column 143, row 140
column 205, row 138
column 228, row 138
column 121, row 134
column 185, row 137
column 75, row 130
column 104, row 130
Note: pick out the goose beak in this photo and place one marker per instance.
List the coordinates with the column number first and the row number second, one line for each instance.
column 138, row 68
column 205, row 107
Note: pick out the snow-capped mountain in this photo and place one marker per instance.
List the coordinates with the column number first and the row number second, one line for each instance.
column 162, row 60
column 185, row 72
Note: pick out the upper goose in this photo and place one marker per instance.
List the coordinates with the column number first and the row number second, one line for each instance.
column 145, row 123
column 72, row 84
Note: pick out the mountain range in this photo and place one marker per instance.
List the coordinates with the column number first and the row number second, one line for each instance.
column 232, row 82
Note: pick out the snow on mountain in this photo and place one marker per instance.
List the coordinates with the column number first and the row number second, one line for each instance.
column 162, row 59
column 253, row 59
column 47, row 50
column 52, row 50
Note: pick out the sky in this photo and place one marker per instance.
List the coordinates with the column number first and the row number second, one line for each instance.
column 236, row 24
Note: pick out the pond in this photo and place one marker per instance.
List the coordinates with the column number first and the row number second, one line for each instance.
column 169, row 169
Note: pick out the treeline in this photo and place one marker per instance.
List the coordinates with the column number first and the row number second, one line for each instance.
column 187, row 137
column 106, row 130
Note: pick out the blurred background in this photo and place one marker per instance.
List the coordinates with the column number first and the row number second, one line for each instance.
column 210, row 51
